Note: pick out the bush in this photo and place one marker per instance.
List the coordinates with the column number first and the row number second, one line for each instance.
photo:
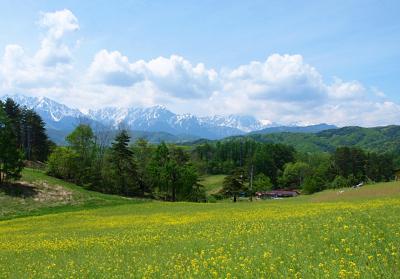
column 340, row 182
column 313, row 184
column 211, row 199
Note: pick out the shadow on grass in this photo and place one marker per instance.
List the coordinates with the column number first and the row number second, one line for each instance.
column 18, row 190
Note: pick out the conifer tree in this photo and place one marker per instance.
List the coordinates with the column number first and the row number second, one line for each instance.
column 10, row 157
column 122, row 167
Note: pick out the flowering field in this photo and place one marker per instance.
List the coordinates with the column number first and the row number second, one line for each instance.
column 298, row 238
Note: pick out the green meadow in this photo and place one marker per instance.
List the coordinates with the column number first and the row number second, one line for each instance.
column 349, row 233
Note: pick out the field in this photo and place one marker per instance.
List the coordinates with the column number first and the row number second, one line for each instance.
column 350, row 234
column 212, row 183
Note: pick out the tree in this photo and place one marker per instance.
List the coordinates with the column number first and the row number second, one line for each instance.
column 121, row 168
column 82, row 142
column 350, row 161
column 294, row 174
column 233, row 184
column 11, row 162
column 62, row 163
column 143, row 153
column 340, row 182
column 172, row 175
column 261, row 183
column 13, row 112
column 33, row 137
column 314, row 183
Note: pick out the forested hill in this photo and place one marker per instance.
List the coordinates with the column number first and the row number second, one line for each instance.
column 377, row 139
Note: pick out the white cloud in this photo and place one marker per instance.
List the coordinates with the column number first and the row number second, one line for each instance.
column 173, row 76
column 50, row 66
column 112, row 68
column 53, row 49
column 283, row 88
column 58, row 23
column 280, row 77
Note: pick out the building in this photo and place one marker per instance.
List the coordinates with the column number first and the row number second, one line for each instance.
column 277, row 194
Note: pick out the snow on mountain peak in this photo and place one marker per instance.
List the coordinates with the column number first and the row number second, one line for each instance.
column 155, row 118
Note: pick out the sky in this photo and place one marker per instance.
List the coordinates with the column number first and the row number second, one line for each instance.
column 286, row 62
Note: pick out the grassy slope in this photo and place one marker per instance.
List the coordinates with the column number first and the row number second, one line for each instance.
column 352, row 234
column 212, row 183
column 41, row 194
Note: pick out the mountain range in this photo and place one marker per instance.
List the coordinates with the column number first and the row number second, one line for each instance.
column 155, row 123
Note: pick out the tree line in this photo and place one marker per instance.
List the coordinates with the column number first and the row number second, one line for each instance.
column 141, row 170
column 22, row 137
column 277, row 166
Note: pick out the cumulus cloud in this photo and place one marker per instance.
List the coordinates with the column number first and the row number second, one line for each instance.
column 50, row 65
column 283, row 88
column 58, row 23
column 112, row 68
column 173, row 76
column 280, row 77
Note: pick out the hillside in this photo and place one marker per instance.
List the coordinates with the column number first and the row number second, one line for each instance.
column 378, row 139
column 354, row 234
column 37, row 194
column 296, row 129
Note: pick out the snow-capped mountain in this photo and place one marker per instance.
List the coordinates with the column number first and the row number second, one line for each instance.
column 152, row 119
column 244, row 123
column 159, row 119
column 61, row 120
column 56, row 116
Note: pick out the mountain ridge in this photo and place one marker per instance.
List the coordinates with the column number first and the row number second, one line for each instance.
column 61, row 120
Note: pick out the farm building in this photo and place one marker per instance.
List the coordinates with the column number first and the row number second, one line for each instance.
column 277, row 194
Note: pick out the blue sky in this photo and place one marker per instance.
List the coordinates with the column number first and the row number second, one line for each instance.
column 346, row 43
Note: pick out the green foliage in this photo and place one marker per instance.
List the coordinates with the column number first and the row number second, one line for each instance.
column 340, row 182
column 10, row 156
column 62, row 163
column 29, row 130
column 381, row 140
column 294, row 175
column 120, row 170
column 314, row 183
column 261, row 183
column 234, row 184
column 226, row 155
column 173, row 177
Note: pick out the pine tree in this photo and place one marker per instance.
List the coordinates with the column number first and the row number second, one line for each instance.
column 123, row 171
column 10, row 157
column 34, row 139
column 233, row 184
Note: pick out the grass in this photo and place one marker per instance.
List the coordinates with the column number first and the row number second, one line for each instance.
column 212, row 183
column 39, row 194
column 355, row 234
column 379, row 190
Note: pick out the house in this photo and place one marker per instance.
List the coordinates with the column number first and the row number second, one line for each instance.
column 280, row 193
column 397, row 175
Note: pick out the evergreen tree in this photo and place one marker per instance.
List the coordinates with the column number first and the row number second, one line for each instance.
column 34, row 139
column 29, row 130
column 233, row 184
column 122, row 167
column 14, row 115
column 10, row 156
column 143, row 153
